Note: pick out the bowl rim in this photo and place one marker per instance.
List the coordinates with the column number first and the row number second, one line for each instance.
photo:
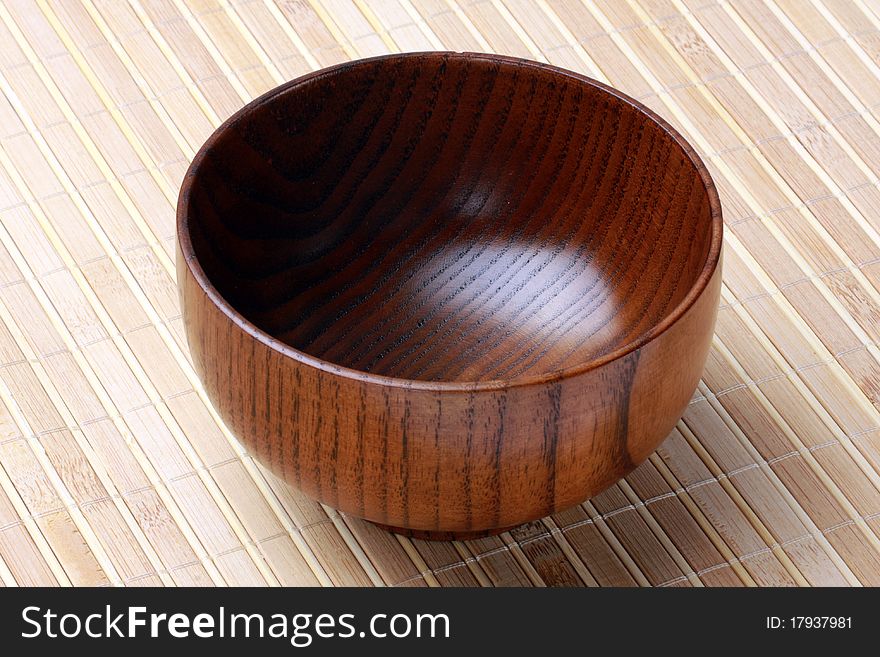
column 191, row 259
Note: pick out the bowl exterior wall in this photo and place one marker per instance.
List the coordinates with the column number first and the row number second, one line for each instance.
column 441, row 460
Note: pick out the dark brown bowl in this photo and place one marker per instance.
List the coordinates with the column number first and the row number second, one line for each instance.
column 449, row 293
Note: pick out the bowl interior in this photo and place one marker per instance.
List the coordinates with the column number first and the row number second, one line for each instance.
column 443, row 217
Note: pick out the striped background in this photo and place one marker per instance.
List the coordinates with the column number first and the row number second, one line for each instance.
column 116, row 470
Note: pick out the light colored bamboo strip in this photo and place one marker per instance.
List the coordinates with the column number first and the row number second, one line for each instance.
column 468, row 25
column 824, row 172
column 777, row 234
column 516, row 551
column 472, row 563
column 22, row 264
column 771, row 475
column 791, row 16
column 650, row 494
column 413, row 13
column 797, row 321
column 388, row 558
column 267, row 36
column 809, row 477
column 102, row 474
column 636, row 535
column 291, row 34
column 503, row 561
column 871, row 11
column 34, row 534
column 606, row 566
column 373, row 21
column 575, row 559
column 319, row 534
column 871, row 5
column 400, row 24
column 414, row 555
column 681, row 491
column 215, row 27
column 661, row 535
column 447, row 565
column 169, row 58
column 614, row 543
column 754, row 520
column 500, row 563
column 150, row 94
column 446, row 20
column 89, row 372
column 744, row 440
column 808, row 395
column 751, row 549
column 571, row 519
column 522, row 560
column 83, row 567
column 518, row 30
column 209, row 44
column 427, row 562
column 67, row 111
column 849, row 18
column 109, row 487
column 352, row 543
column 700, row 517
column 484, row 18
column 833, row 489
column 6, row 576
column 791, row 49
column 543, row 26
column 88, row 142
column 69, row 114
column 791, row 374
column 330, row 23
column 21, row 555
column 453, row 561
column 183, row 362
column 341, row 565
column 592, row 68
column 131, row 360
column 547, row 557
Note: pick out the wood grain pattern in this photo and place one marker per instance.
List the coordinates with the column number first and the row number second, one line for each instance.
column 448, row 293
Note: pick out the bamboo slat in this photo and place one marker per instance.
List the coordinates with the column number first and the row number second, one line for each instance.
column 116, row 470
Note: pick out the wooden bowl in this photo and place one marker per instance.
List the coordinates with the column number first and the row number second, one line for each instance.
column 449, row 293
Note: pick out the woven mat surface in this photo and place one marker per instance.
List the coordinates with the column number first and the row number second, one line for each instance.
column 117, row 471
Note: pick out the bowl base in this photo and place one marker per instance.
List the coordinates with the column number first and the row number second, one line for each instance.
column 430, row 535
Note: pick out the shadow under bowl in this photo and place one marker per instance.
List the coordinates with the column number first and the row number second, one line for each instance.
column 449, row 293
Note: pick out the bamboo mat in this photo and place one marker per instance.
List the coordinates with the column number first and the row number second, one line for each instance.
column 117, row 471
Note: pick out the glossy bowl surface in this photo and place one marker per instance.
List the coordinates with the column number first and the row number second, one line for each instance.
column 448, row 292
